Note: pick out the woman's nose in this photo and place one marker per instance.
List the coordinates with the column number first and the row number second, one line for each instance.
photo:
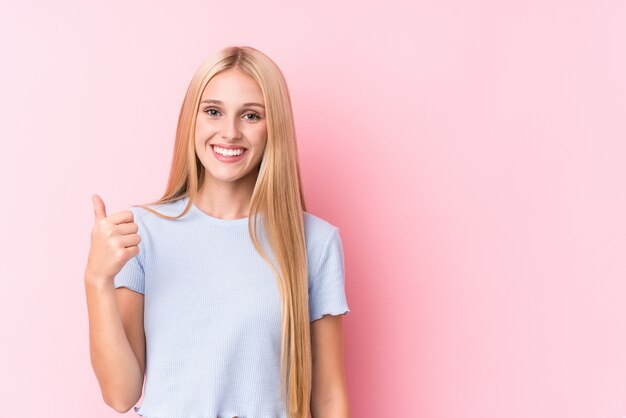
column 230, row 129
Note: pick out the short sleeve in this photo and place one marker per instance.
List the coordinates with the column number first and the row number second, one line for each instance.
column 326, row 286
column 132, row 274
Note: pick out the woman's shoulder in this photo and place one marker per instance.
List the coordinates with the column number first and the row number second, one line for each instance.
column 146, row 215
column 172, row 208
column 318, row 230
column 314, row 221
column 323, row 245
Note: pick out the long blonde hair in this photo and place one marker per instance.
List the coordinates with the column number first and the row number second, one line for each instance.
column 277, row 196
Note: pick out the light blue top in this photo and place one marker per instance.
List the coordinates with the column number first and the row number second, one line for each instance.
column 212, row 312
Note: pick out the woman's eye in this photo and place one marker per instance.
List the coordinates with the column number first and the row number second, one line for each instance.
column 212, row 112
column 253, row 116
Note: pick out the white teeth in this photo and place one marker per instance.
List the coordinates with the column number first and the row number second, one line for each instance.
column 228, row 152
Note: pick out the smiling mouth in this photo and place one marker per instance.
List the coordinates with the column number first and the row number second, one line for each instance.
column 228, row 152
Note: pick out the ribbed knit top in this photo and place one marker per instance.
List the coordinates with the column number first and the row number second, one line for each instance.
column 212, row 311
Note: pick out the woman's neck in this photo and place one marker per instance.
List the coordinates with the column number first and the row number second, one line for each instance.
column 224, row 199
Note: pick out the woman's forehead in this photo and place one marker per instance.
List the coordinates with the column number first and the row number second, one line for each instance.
column 233, row 86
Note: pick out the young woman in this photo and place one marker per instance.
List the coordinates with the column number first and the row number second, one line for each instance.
column 225, row 292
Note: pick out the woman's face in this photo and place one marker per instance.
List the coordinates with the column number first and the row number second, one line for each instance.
column 231, row 120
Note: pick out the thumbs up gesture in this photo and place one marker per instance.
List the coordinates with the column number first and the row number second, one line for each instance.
column 114, row 241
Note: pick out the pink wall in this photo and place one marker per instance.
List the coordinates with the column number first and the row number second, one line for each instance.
column 471, row 152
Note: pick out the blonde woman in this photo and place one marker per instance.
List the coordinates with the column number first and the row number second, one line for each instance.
column 225, row 294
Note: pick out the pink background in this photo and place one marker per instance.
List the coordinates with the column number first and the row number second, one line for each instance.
column 472, row 154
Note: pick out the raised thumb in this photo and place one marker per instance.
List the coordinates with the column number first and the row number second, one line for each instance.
column 98, row 207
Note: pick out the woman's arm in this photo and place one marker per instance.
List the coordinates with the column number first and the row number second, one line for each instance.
column 116, row 336
column 329, row 395
column 116, row 341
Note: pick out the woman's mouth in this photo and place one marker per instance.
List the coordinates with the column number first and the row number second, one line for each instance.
column 228, row 155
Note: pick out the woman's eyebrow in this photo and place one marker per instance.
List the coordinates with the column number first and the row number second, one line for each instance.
column 220, row 102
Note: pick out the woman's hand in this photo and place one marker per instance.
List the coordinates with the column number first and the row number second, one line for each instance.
column 114, row 241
